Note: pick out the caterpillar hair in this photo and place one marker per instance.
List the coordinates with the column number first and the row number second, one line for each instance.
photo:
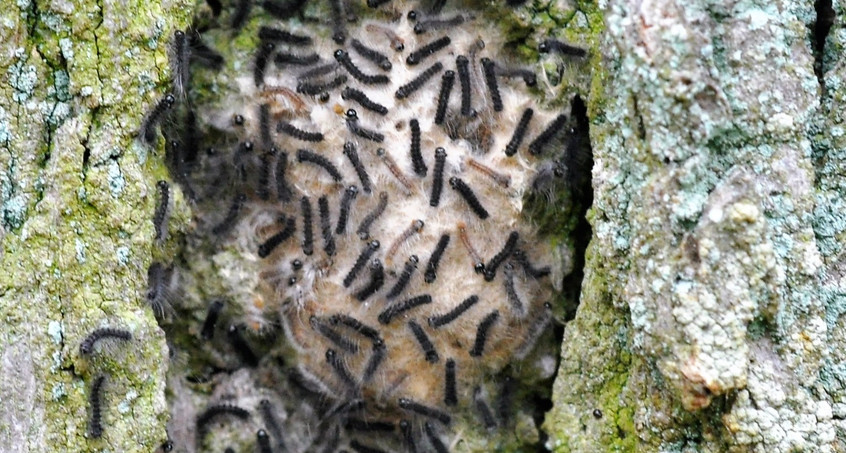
column 364, row 330
column 490, row 80
column 450, row 393
column 342, row 57
column 318, row 71
column 399, row 308
column 202, row 54
column 304, row 155
column 469, row 196
column 482, row 333
column 372, row 55
column 447, row 82
column 162, row 212
column 435, row 259
column 212, row 315
column 339, row 29
column 551, row 131
column 425, row 26
column 560, row 47
column 416, row 227
column 528, row 76
column 499, row 258
column 452, row 315
column 502, row 180
column 358, row 424
column 180, row 66
column 87, row 345
column 264, row 125
column 483, row 409
column 326, row 225
column 534, row 272
column 332, row 335
column 404, row 278
column 263, row 441
column 285, row 58
column 212, row 412
column 395, row 170
column 241, row 347
column 355, row 128
column 282, row 9
column 158, row 288
column 397, row 43
column 350, row 194
column 377, row 279
column 307, row 381
column 429, row 351
column 151, row 122
column 266, row 248
column 426, row 411
column 239, row 16
column 265, row 171
column 437, row 6
column 215, row 6
column 478, row 264
column 352, row 154
column 376, row 3
column 231, row 216
column 376, row 359
column 416, row 157
column 358, row 447
column 260, row 64
column 283, row 192
column 416, row 83
column 434, row 439
column 519, row 132
column 95, row 400
column 313, row 89
column 438, row 178
column 408, row 435
column 511, row 291
column 536, row 329
column 274, row 34
column 463, row 66
column 364, row 101
column 504, row 402
column 427, row 50
column 332, row 441
column 362, row 259
column 241, row 158
column 363, row 230
column 341, row 370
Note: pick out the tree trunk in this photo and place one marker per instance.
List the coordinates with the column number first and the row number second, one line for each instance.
column 710, row 309
column 710, row 315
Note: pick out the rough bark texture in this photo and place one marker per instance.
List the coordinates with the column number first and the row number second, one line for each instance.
column 77, row 194
column 710, row 317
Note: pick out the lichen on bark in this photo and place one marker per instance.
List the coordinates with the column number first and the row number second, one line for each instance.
column 76, row 236
column 703, row 324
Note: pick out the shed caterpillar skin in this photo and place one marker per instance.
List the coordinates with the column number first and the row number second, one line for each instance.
column 560, row 47
column 162, row 211
column 370, row 342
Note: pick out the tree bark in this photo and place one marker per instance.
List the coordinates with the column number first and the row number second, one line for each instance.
column 77, row 193
column 710, row 315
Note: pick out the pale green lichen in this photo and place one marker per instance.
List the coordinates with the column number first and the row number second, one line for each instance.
column 680, row 121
